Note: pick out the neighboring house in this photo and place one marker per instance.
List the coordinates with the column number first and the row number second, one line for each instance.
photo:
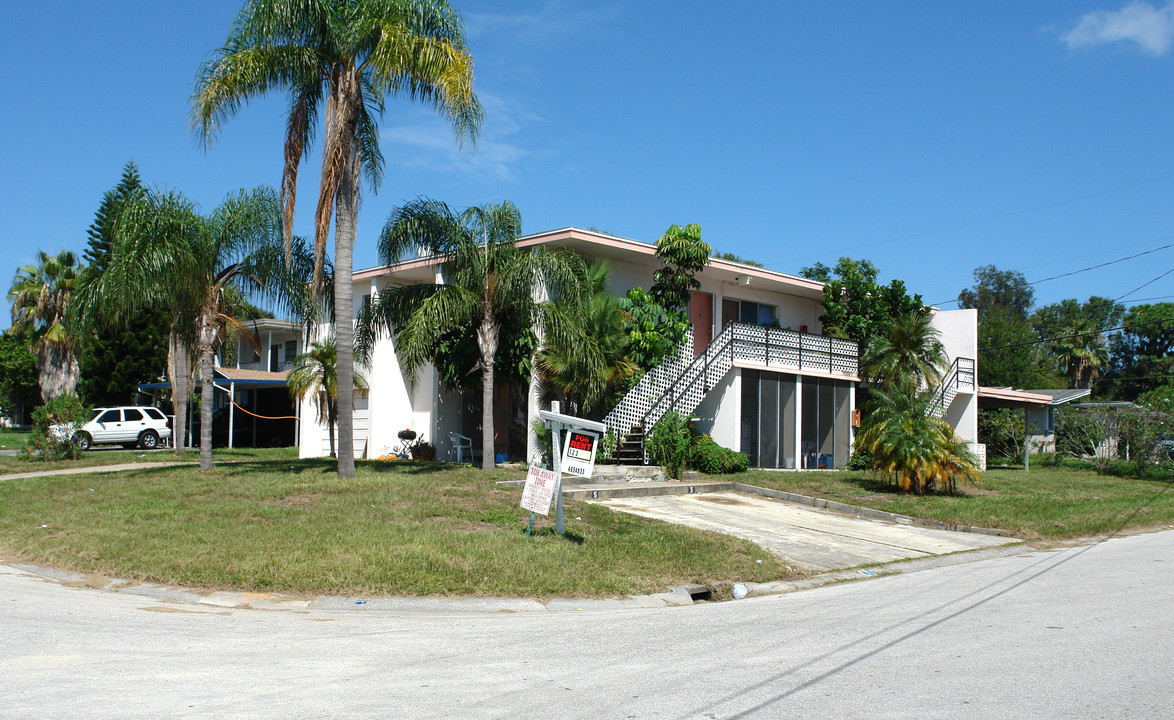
column 1039, row 411
column 758, row 374
column 252, row 370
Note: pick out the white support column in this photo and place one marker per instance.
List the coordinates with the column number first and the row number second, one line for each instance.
column 269, row 352
column 232, row 410
column 534, row 395
column 798, row 421
column 851, row 417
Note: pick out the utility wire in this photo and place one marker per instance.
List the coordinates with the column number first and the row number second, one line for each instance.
column 1076, row 335
column 1094, row 267
column 1139, row 287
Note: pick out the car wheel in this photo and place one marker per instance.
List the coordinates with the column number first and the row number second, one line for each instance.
column 82, row 440
column 149, row 440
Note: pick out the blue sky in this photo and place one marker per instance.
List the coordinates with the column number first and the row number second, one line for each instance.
column 929, row 137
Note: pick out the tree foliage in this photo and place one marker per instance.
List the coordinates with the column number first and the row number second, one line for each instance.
column 18, row 374
column 1142, row 354
column 856, row 307
column 653, row 332
column 997, row 288
column 486, row 278
column 684, row 254
column 342, row 59
column 40, row 296
column 315, row 374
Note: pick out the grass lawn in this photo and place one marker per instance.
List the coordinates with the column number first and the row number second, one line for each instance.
column 1045, row 502
column 11, row 439
column 115, row 455
column 398, row 528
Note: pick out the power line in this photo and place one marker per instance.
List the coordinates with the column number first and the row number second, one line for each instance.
column 993, row 218
column 1095, row 267
column 1076, row 335
column 1139, row 287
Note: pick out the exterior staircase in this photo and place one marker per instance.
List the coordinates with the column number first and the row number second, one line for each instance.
column 959, row 378
column 683, row 380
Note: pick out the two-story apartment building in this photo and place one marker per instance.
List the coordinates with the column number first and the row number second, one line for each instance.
column 758, row 374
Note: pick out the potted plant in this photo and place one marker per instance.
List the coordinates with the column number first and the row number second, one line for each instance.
column 423, row 450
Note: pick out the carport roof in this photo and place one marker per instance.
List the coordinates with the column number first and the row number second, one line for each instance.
column 243, row 379
column 992, row 398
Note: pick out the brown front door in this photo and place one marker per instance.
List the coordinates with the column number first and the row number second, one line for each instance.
column 701, row 315
column 729, row 312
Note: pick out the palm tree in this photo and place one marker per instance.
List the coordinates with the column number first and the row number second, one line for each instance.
column 910, row 355
column 588, row 371
column 40, row 296
column 169, row 258
column 344, row 57
column 315, row 373
column 1082, row 352
column 911, row 448
column 486, row 277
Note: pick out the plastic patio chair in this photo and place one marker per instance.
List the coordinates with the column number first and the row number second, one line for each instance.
column 463, row 445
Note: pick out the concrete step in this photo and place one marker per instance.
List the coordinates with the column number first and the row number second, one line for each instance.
column 602, row 491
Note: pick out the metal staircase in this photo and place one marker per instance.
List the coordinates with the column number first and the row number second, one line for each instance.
column 959, row 378
column 682, row 381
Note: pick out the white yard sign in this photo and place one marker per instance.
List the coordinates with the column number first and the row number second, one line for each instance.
column 540, row 485
column 579, row 453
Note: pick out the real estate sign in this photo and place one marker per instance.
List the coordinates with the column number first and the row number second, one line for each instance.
column 540, row 485
column 579, row 452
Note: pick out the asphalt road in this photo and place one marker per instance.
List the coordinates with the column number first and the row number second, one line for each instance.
column 1076, row 633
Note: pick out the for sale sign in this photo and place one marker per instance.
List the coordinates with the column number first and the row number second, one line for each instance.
column 579, row 453
column 540, row 486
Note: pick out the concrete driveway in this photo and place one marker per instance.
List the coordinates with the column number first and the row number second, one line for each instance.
column 809, row 537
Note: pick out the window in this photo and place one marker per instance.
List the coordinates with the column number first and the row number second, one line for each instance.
column 157, row 415
column 111, row 416
column 131, row 415
column 755, row 313
column 291, row 350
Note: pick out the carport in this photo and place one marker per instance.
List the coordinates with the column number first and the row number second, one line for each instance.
column 238, row 381
column 992, row 398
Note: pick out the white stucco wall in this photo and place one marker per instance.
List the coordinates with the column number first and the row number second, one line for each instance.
column 959, row 335
column 717, row 415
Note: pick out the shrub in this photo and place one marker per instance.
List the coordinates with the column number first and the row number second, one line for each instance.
column 709, row 457
column 861, row 460
column 669, row 443
column 65, row 413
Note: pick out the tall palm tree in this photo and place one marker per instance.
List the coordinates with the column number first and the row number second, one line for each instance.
column 168, row 257
column 315, row 372
column 40, row 296
column 342, row 58
column 909, row 355
column 485, row 277
column 588, row 371
column 1082, row 352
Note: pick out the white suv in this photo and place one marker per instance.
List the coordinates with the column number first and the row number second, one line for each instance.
column 129, row 426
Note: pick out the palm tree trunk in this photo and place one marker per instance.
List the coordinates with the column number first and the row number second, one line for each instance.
column 57, row 370
column 344, row 328
column 331, row 417
column 208, row 332
column 178, row 372
column 487, row 336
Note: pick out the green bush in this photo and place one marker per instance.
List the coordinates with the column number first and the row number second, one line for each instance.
column 44, row 442
column 860, row 460
column 709, row 457
column 669, row 443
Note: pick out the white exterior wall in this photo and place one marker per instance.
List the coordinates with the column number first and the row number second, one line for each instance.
column 717, row 415
column 959, row 334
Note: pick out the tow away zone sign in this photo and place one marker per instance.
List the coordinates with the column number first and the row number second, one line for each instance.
column 540, row 485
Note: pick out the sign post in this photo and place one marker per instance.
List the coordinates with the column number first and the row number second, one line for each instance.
column 582, row 442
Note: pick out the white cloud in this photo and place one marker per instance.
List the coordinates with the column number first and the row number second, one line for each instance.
column 427, row 143
column 1152, row 28
column 555, row 21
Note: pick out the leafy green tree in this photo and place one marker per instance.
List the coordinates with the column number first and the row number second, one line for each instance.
column 1010, row 353
column 343, row 59
column 669, row 443
column 1142, row 354
column 684, row 254
column 40, row 296
column 587, row 374
column 200, row 268
column 856, row 307
column 315, row 373
column 653, row 332
column 735, row 258
column 18, row 375
column 118, row 356
column 1074, row 334
column 912, row 449
column 486, row 276
column 997, row 288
